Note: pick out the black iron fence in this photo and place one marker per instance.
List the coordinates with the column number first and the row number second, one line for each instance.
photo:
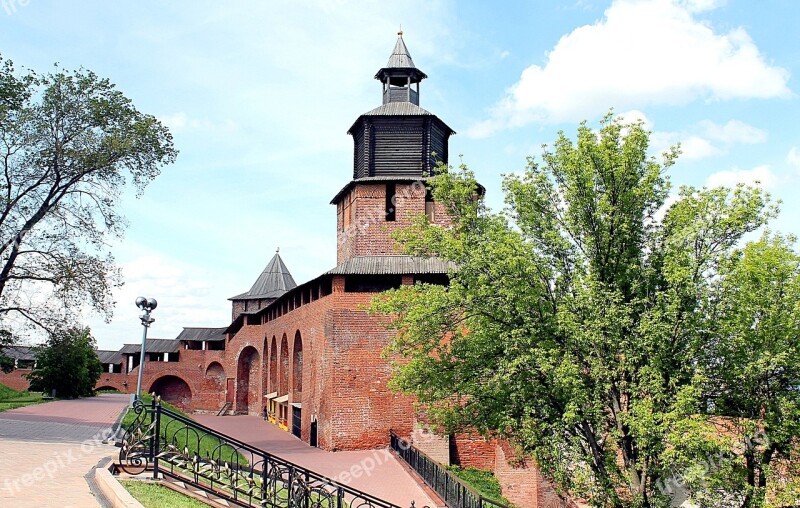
column 169, row 444
column 454, row 492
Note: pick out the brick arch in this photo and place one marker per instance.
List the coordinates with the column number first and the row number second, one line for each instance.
column 247, row 377
column 212, row 388
column 215, row 373
column 107, row 387
column 283, row 384
column 265, row 368
column 273, row 365
column 173, row 389
column 297, row 363
column 103, row 384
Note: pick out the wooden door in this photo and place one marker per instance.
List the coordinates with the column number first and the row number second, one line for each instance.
column 296, row 421
column 230, row 391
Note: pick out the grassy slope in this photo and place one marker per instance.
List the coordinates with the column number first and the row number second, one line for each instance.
column 207, row 446
column 152, row 495
column 482, row 481
column 12, row 399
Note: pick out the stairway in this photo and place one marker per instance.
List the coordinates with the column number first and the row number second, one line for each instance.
column 225, row 409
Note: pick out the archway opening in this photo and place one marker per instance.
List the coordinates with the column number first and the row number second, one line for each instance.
column 284, row 374
column 273, row 365
column 247, row 376
column 297, row 364
column 174, row 390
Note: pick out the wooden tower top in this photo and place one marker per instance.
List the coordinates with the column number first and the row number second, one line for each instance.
column 398, row 139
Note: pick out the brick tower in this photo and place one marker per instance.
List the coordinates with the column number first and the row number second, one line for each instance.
column 397, row 146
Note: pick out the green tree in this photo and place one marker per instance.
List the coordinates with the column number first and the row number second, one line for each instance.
column 67, row 363
column 6, row 362
column 69, row 142
column 571, row 325
column 752, row 361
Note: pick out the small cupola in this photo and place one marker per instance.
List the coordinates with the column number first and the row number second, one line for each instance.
column 399, row 76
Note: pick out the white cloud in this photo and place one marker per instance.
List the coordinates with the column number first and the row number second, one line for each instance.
column 734, row 131
column 187, row 295
column 642, row 53
column 180, row 121
column 634, row 115
column 793, row 157
column 700, row 5
column 760, row 175
column 695, row 147
column 708, row 139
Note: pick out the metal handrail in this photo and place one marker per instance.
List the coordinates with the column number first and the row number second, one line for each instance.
column 226, row 467
column 453, row 491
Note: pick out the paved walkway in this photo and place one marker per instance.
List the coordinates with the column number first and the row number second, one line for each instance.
column 375, row 472
column 46, row 449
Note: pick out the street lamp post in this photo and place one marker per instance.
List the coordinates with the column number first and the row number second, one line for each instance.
column 147, row 305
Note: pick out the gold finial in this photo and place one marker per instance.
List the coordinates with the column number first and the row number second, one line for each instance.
column 277, row 250
column 400, row 33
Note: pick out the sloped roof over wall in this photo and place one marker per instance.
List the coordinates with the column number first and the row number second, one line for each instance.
column 114, row 357
column 153, row 346
column 392, row 265
column 18, row 352
column 203, row 334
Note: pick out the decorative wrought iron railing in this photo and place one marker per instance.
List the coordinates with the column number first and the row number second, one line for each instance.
column 454, row 492
column 170, row 444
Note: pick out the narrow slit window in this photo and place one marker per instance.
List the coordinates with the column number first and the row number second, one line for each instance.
column 390, row 202
column 430, row 206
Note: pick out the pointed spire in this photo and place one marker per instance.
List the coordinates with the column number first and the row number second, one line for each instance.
column 400, row 58
column 274, row 281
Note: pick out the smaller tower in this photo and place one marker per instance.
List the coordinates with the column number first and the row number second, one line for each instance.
column 274, row 281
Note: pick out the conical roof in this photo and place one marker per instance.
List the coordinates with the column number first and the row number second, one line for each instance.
column 273, row 282
column 400, row 57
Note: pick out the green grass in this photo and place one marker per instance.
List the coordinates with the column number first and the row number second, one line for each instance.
column 13, row 399
column 482, row 481
column 153, row 495
column 207, row 445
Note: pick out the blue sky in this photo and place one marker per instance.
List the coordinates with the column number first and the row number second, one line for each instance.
column 259, row 97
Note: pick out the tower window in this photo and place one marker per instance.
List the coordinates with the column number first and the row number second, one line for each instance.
column 390, row 202
column 430, row 206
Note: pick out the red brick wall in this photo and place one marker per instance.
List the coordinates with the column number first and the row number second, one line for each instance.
column 369, row 233
column 15, row 379
column 472, row 450
column 191, row 369
column 364, row 407
column 344, row 373
column 523, row 484
column 309, row 321
column 434, row 446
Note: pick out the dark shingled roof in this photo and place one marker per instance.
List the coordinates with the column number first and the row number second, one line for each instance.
column 153, row 346
column 207, row 334
column 392, row 265
column 274, row 281
column 400, row 57
column 398, row 109
column 18, row 352
column 109, row 356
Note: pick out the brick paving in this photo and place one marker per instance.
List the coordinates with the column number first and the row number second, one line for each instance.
column 376, row 472
column 46, row 449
